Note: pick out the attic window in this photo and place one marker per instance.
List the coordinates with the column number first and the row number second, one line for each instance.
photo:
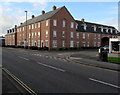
column 84, row 26
column 76, row 26
column 101, row 27
column 106, row 29
column 111, row 30
column 94, row 27
column 116, row 31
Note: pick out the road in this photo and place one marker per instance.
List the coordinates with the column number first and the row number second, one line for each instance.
column 46, row 74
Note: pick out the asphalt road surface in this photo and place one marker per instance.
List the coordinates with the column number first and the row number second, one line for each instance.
column 45, row 73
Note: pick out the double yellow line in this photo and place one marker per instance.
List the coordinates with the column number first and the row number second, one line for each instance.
column 28, row 89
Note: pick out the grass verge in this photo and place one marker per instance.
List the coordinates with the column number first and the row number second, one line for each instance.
column 114, row 60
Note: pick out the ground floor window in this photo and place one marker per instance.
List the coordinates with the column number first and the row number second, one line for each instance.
column 38, row 43
column 98, row 44
column 54, row 44
column 94, row 44
column 83, row 44
column 63, row 43
column 77, row 44
column 88, row 44
column 46, row 43
column 71, row 44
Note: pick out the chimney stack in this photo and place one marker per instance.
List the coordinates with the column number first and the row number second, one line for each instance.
column 33, row 16
column 82, row 19
column 54, row 8
column 43, row 12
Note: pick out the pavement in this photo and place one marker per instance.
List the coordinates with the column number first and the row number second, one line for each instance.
column 46, row 72
column 93, row 60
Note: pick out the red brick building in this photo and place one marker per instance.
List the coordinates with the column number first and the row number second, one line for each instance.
column 58, row 29
column 11, row 37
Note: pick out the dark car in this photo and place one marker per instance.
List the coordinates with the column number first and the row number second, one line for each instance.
column 106, row 47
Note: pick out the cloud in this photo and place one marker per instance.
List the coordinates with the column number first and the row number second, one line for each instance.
column 39, row 5
column 110, row 22
column 8, row 9
column 59, row 1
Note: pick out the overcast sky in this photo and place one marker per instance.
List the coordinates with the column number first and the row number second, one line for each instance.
column 12, row 12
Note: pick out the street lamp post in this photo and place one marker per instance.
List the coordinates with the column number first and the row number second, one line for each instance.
column 25, row 43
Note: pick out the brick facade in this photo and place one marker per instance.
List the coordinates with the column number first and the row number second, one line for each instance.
column 57, row 29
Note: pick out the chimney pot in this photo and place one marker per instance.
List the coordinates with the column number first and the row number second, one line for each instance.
column 21, row 23
column 43, row 12
column 82, row 19
column 33, row 16
column 54, row 8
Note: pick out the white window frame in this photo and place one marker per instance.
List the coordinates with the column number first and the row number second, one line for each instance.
column 54, row 33
column 71, row 34
column 83, row 44
column 63, row 24
column 38, row 34
column 63, row 34
column 88, row 36
column 54, row 22
column 63, row 43
column 46, row 43
column 76, row 26
column 88, row 44
column 23, row 28
column 71, row 43
column 46, row 33
column 83, row 35
column 72, row 24
column 77, row 35
column 35, row 25
column 38, row 24
column 77, row 44
column 32, row 26
column 54, row 44
column 46, row 22
column 20, row 29
column 94, row 44
column 95, row 36
column 32, row 34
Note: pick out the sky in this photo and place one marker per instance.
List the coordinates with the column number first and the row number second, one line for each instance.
column 13, row 13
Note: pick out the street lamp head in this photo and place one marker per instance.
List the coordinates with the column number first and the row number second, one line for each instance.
column 25, row 11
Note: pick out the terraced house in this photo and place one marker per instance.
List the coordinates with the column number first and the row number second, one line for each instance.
column 58, row 29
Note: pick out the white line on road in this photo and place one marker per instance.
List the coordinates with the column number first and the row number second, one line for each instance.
column 51, row 67
column 24, row 58
column 102, row 82
column 75, row 58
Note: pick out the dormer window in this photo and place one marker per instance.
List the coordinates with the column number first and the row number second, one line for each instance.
column 94, row 27
column 101, row 27
column 84, row 26
column 106, row 30
column 116, row 31
column 76, row 26
column 111, row 30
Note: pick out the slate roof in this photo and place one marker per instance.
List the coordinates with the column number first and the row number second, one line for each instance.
column 41, row 17
column 90, row 29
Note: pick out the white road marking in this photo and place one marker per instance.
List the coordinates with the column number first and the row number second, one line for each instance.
column 64, row 60
column 60, row 54
column 46, row 56
column 102, row 82
column 24, row 58
column 55, row 58
column 75, row 58
column 50, row 57
column 51, row 67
